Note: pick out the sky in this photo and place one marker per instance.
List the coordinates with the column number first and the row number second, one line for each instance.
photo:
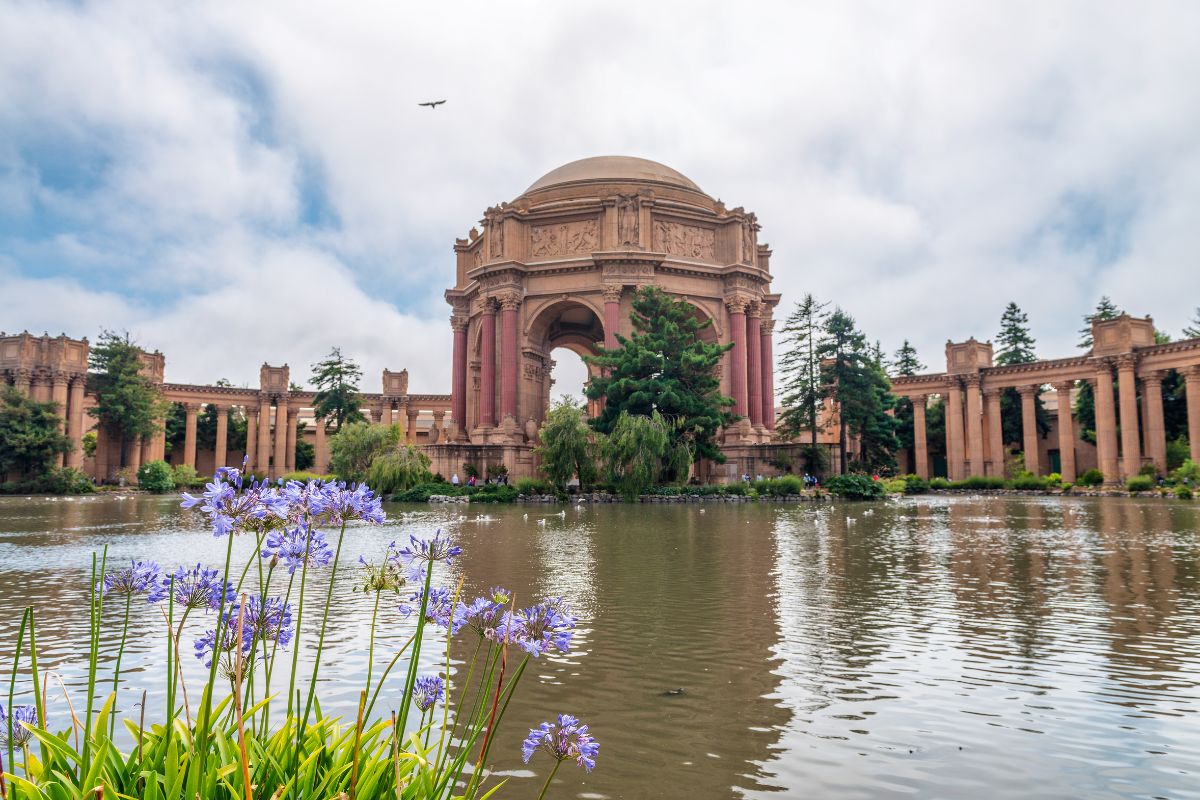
column 236, row 182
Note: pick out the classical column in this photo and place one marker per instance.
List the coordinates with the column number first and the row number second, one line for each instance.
column 292, row 437
column 612, row 315
column 220, row 449
column 1106, row 421
column 58, row 395
column 754, row 364
column 135, row 457
column 768, row 374
column 41, row 387
column 1191, row 376
column 251, row 437
column 1131, row 440
column 402, row 417
column 22, row 380
column 75, row 421
column 279, row 465
column 1156, row 428
column 509, row 304
column 439, row 424
column 1029, row 430
column 975, row 422
column 376, row 415
column 920, row 442
column 1066, row 431
column 458, row 385
column 487, row 355
column 737, row 356
column 321, row 458
column 954, row 430
column 264, row 437
column 189, row 434
column 411, row 435
column 995, row 431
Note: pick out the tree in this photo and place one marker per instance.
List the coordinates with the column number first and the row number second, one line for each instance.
column 30, row 439
column 398, row 470
column 665, row 367
column 306, row 452
column 639, row 450
column 1192, row 331
column 127, row 403
column 337, row 398
column 1105, row 309
column 800, row 367
column 566, row 448
column 1017, row 346
column 354, row 447
column 906, row 363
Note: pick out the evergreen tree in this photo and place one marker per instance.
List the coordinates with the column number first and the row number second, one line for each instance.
column 666, row 367
column 905, row 363
column 1105, row 309
column 30, row 439
column 1015, row 343
column 1192, row 331
column 801, row 392
column 337, row 398
column 127, row 403
column 566, row 448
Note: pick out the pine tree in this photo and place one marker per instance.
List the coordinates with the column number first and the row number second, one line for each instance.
column 30, row 438
column 906, row 363
column 666, row 367
column 802, row 391
column 337, row 398
column 1016, row 344
column 127, row 403
column 861, row 390
column 1192, row 331
column 1105, row 309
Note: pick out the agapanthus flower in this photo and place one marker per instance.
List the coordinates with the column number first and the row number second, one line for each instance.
column 194, row 588
column 383, row 576
column 21, row 717
column 547, row 626
column 140, row 577
column 428, row 690
column 296, row 546
column 232, row 506
column 567, row 740
column 441, row 610
column 485, row 615
column 337, row 503
column 263, row 623
column 420, row 552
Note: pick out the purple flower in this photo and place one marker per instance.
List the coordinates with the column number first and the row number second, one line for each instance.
column 537, row 629
column 426, row 551
column 194, row 588
column 337, row 503
column 567, row 740
column 385, row 575
column 486, row 616
column 22, row 716
column 140, row 577
column 441, row 610
column 427, row 691
column 265, row 623
column 232, row 507
column 297, row 546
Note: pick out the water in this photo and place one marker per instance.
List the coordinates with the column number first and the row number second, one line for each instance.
column 934, row 647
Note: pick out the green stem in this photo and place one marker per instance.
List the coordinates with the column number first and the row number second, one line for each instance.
column 12, row 688
column 299, row 620
column 112, row 725
column 386, row 672
column 203, row 721
column 371, row 646
column 312, row 686
column 96, row 610
column 414, row 659
column 546, row 786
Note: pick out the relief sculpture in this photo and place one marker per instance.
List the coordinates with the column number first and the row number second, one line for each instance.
column 564, row 239
column 689, row 241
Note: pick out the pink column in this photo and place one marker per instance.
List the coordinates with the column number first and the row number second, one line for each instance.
column 508, row 355
column 487, row 354
column 458, row 385
column 612, row 316
column 737, row 356
column 754, row 366
column 768, row 375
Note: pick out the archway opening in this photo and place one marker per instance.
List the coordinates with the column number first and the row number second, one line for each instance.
column 569, row 376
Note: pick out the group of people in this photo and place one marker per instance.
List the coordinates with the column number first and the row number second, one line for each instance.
column 810, row 481
column 498, row 480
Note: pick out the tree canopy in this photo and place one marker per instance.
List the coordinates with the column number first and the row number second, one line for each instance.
column 337, row 398
column 1105, row 309
column 1015, row 343
column 127, row 403
column 639, row 450
column 857, row 383
column 800, row 367
column 567, row 450
column 30, row 439
column 664, row 367
column 906, row 363
column 354, row 447
column 1192, row 331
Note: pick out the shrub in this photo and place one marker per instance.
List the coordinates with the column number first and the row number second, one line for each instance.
column 156, row 476
column 738, row 489
column 492, row 494
column 787, row 484
column 399, row 470
column 895, row 486
column 1027, row 481
column 533, row 486
column 1140, row 483
column 422, row 492
column 1092, row 477
column 854, row 487
column 1183, row 492
column 187, row 478
column 915, row 484
column 1188, row 471
column 939, row 483
column 979, row 482
column 302, row 477
column 1054, row 479
column 1149, row 470
column 1177, row 452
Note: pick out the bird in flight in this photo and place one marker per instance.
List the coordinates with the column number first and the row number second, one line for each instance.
column 432, row 103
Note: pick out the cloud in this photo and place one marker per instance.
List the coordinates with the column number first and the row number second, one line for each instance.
column 256, row 182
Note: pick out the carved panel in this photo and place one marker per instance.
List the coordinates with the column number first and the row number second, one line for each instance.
column 689, row 241
column 629, row 270
column 564, row 238
column 477, row 257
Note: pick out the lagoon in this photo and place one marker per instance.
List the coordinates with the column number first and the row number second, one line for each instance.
column 931, row 647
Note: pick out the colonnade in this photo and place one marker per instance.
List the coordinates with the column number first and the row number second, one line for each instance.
column 751, row 362
column 67, row 391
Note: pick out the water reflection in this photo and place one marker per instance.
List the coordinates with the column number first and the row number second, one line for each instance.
column 940, row 648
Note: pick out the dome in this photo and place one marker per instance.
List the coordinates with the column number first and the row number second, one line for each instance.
column 613, row 168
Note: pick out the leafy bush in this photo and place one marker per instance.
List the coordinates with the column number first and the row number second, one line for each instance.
column 302, row 476
column 399, row 470
column 1149, row 470
column 939, row 483
column 1092, row 477
column 1177, row 453
column 156, row 476
column 422, row 492
column 1183, row 492
column 533, row 486
column 58, row 480
column 895, row 486
column 187, row 478
column 1188, row 471
column 854, row 487
column 915, row 484
column 980, row 482
column 492, row 494
column 787, row 484
column 738, row 489
column 1029, row 482
column 1054, row 479
column 1140, row 483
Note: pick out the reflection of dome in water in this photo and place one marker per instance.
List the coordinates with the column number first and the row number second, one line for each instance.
column 613, row 168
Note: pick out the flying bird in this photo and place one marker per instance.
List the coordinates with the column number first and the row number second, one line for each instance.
column 432, row 103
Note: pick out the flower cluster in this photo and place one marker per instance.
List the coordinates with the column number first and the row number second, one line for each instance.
column 547, row 626
column 140, row 577
column 567, row 740
column 261, row 622
column 194, row 588
column 334, row 502
column 384, row 576
column 425, row 551
column 22, row 716
column 298, row 546
column 485, row 616
column 441, row 610
column 233, row 507
column 428, row 690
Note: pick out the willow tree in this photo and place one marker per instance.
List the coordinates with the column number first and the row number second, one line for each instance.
column 567, row 450
column 639, row 450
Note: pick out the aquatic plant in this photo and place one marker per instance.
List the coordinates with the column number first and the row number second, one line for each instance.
column 218, row 740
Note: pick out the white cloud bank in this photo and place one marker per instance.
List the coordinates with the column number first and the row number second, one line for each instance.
column 244, row 182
